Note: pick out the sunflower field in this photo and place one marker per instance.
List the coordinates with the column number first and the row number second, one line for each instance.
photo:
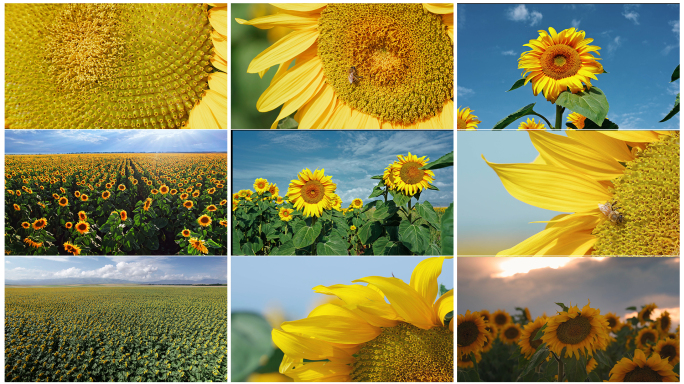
column 310, row 219
column 116, row 204
column 116, row 334
column 573, row 345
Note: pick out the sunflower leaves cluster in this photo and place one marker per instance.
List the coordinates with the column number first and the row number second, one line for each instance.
column 572, row 345
column 310, row 219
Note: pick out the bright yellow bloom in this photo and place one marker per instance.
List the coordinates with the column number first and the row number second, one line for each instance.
column 285, row 214
column 82, row 227
column 465, row 120
column 531, row 124
column 668, row 349
column 311, row 192
column 407, row 175
column 641, row 369
column 528, row 344
column 577, row 120
column 500, row 318
column 510, row 333
column 198, row 245
column 261, row 185
column 646, row 338
column 357, row 203
column 645, row 313
column 40, row 224
column 470, row 333
column 580, row 332
column 353, row 228
column 204, row 220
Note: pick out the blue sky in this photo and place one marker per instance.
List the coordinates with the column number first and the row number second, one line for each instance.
column 350, row 157
column 262, row 284
column 102, row 140
column 639, row 47
column 135, row 269
column 611, row 283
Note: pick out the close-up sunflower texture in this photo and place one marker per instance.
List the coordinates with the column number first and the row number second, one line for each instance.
column 384, row 330
column 618, row 193
column 105, row 66
column 360, row 66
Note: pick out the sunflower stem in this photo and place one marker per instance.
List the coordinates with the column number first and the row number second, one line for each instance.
column 547, row 121
column 559, row 116
column 560, row 366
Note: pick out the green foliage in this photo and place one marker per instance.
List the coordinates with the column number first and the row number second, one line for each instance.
column 674, row 111
column 588, row 124
column 524, row 111
column 250, row 342
column 519, row 83
column 591, row 103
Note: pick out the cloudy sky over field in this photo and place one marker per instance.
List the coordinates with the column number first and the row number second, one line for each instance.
column 350, row 157
column 612, row 284
column 132, row 268
column 639, row 48
column 102, row 140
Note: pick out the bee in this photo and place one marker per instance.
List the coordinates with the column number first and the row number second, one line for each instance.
column 609, row 211
column 353, row 75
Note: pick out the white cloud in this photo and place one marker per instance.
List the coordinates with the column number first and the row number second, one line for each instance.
column 77, row 135
column 575, row 23
column 630, row 13
column 463, row 91
column 521, row 14
column 675, row 26
column 614, row 44
column 673, row 88
column 668, row 48
column 508, row 53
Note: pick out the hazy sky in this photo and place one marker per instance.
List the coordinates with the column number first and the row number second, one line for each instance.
column 350, row 157
column 612, row 284
column 105, row 140
column 134, row 268
column 259, row 284
column 639, row 48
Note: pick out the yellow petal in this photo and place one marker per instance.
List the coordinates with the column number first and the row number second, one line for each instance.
column 549, row 187
column 211, row 112
column 632, row 136
column 572, row 244
column 220, row 45
column 364, row 302
column 300, row 7
column 218, row 18
column 617, row 149
column 219, row 63
column 218, row 81
column 564, row 152
column 439, row 8
column 291, row 84
column 447, row 115
column 281, row 20
column 317, row 112
column 444, row 305
column 307, row 348
column 300, row 99
column 405, row 300
column 424, row 278
column 284, row 49
column 321, row 371
column 289, row 363
column 337, row 329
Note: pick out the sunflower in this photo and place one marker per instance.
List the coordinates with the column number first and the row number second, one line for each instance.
column 68, row 246
column 360, row 65
column 173, row 191
column 470, row 333
column 407, row 175
column 285, row 214
column 116, row 66
column 353, row 228
column 528, row 344
column 559, row 61
column 196, row 193
column 122, row 187
column 645, row 313
column 663, row 322
column 273, row 189
column 211, row 208
column 641, row 369
column 147, row 204
column 490, row 336
column 154, row 191
column 26, row 225
column 211, row 191
column 465, row 120
column 486, row 316
column 646, row 338
column 188, row 204
column 224, row 223
column 357, row 203
column 55, row 196
column 84, row 197
column 40, row 224
column 163, row 189
column 82, row 216
column 18, row 192
column 124, row 215
column 183, row 196
column 577, row 120
column 463, row 360
column 613, row 321
column 204, row 220
column 279, row 200
column 500, row 318
column 594, row 174
column 77, row 194
column 198, row 245
column 528, row 316
column 311, row 192
column 82, row 227
column 68, row 225
column 531, row 124
column 579, row 331
column 510, row 333
column 75, row 250
column 106, row 194
column 17, row 207
column 668, row 349
column 185, row 232
column 261, row 185
column 366, row 339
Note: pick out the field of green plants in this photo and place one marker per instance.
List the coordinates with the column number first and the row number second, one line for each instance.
column 125, row 334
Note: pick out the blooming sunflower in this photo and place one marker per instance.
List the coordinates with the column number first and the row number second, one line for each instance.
column 198, row 245
column 147, row 204
column 163, row 189
column 465, row 120
column 510, row 333
column 40, row 224
column 353, row 228
column 645, row 313
column 668, row 349
column 470, row 333
column 77, row 194
column 663, row 322
column 154, row 191
column 55, row 196
column 646, row 338
column 273, row 189
column 579, row 331
column 531, row 124
column 357, row 203
column 183, row 196
column 490, row 336
column 559, row 61
column 82, row 227
column 261, row 185
column 173, row 191
column 211, row 208
column 311, row 192
column 68, row 225
column 365, row 338
column 17, row 207
column 188, row 204
column 122, row 187
column 75, row 250
column 84, row 197
column 124, row 215
column 185, row 232
column 577, row 120
column 500, row 318
column 279, row 200
column 106, row 194
column 68, row 246
column 528, row 344
column 408, row 177
column 116, row 66
column 360, row 65
column 641, row 369
column 224, row 223
column 196, row 193
column 204, row 220
column 594, row 173
column 26, row 225
column 82, row 216
column 486, row 316
column 285, row 214
column 613, row 321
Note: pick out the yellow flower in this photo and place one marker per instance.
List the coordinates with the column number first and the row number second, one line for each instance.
column 82, row 216
column 363, row 338
column 311, row 192
column 593, row 174
column 646, row 338
column 663, row 322
column 465, row 120
column 40, row 224
column 408, row 177
column 198, row 245
column 581, row 332
column 528, row 344
column 353, row 228
column 531, row 124
column 668, row 349
column 82, row 227
column 613, row 321
column 500, row 318
column 26, row 225
column 510, row 333
column 645, row 313
column 360, row 65
column 591, row 365
column 577, row 120
column 559, row 61
column 285, row 214
column 106, row 194
column 470, row 333
column 17, row 207
column 261, row 185
column 641, row 369
column 204, row 220
column 357, row 203
column 94, row 72
column 186, row 232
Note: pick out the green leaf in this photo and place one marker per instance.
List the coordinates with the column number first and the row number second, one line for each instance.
column 576, row 369
column 631, row 308
column 540, row 332
column 247, row 249
column 161, row 222
column 517, row 84
column 377, row 191
column 588, row 124
column 288, row 123
column 506, row 121
column 286, row 249
column 250, row 342
column 427, row 212
column 415, row 237
column 335, row 246
column 591, row 103
column 594, row 377
column 257, row 246
column 538, row 357
column 565, row 309
column 377, row 177
column 447, row 231
column 383, row 211
column 399, row 198
column 306, row 235
column 674, row 111
column 430, row 186
column 379, row 245
column 443, row 162
column 602, row 359
column 675, row 74
column 369, row 232
column 433, row 250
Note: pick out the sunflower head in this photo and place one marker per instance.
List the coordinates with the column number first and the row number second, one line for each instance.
column 124, row 215
column 163, row 189
column 668, row 349
column 528, row 344
column 641, row 369
column 204, row 220
column 82, row 227
column 106, row 194
column 211, row 208
column 531, row 124
column 311, row 192
column 510, row 333
column 77, row 194
column 122, row 187
column 84, row 197
column 40, row 224
column 285, row 214
column 578, row 331
column 646, row 338
column 470, row 333
column 261, row 185
column 357, row 203
column 577, row 120
column 663, row 322
column 198, row 245
column 154, row 191
column 148, row 203
column 465, row 120
column 26, row 225
column 188, row 204
column 408, row 177
column 196, row 193
column 82, row 216
column 645, row 313
column 183, row 196
column 68, row 225
column 173, row 191
column 500, row 318
column 353, row 228
column 17, row 207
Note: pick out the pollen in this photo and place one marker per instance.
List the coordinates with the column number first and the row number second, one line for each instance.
column 402, row 54
column 406, row 353
column 647, row 196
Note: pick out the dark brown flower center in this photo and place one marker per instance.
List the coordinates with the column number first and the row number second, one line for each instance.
column 643, row 374
column 512, row 333
column 574, row 331
column 500, row 319
column 410, row 173
column 467, row 333
column 313, row 191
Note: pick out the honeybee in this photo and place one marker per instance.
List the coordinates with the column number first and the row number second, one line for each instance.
column 612, row 215
column 353, row 75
